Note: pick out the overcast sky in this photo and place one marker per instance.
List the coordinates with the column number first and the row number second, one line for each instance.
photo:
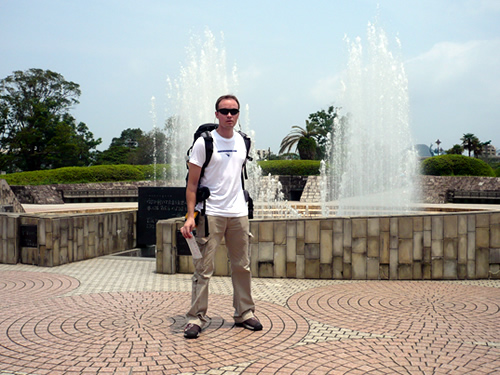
column 289, row 56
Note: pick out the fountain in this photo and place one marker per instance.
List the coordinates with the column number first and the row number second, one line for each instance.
column 192, row 95
column 371, row 165
column 191, row 99
column 419, row 245
column 368, row 180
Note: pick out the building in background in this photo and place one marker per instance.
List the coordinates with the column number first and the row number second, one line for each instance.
column 263, row 154
column 489, row 151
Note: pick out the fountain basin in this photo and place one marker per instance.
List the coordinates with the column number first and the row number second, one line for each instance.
column 420, row 246
column 448, row 242
column 54, row 238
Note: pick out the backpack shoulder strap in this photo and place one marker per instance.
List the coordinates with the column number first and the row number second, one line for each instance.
column 209, row 150
column 248, row 143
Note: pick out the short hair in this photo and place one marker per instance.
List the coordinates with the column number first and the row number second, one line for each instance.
column 224, row 97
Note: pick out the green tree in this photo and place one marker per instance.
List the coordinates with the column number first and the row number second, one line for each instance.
column 455, row 150
column 472, row 144
column 481, row 147
column 135, row 147
column 324, row 121
column 307, row 148
column 121, row 149
column 469, row 142
column 150, row 143
column 72, row 145
column 36, row 129
column 114, row 155
column 303, row 139
column 129, row 137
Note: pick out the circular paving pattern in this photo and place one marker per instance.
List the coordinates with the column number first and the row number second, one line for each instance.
column 381, row 357
column 21, row 287
column 144, row 331
column 394, row 327
column 406, row 309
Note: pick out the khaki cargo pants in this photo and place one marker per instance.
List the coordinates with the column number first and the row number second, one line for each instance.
column 235, row 230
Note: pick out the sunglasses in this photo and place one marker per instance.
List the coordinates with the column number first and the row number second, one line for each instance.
column 232, row 111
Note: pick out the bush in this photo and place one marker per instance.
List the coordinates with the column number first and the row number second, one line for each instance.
column 456, row 165
column 494, row 164
column 290, row 167
column 148, row 171
column 74, row 175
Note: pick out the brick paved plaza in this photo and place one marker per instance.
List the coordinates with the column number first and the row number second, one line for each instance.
column 115, row 315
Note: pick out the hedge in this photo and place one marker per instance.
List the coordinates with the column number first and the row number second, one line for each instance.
column 101, row 173
column 455, row 165
column 290, row 167
column 162, row 171
column 123, row 172
column 443, row 165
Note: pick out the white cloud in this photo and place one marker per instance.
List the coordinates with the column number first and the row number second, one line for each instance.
column 469, row 70
column 448, row 62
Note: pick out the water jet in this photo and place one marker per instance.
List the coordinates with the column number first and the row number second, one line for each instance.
column 371, row 166
column 368, row 182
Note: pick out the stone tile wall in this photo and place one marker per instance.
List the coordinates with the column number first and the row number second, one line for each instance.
column 9, row 249
column 66, row 238
column 8, row 198
column 433, row 188
column 416, row 247
column 53, row 194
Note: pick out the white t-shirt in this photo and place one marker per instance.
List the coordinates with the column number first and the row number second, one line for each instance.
column 222, row 175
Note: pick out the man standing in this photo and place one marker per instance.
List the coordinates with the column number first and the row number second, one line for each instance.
column 226, row 213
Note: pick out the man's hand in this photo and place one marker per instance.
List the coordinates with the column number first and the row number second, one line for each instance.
column 188, row 227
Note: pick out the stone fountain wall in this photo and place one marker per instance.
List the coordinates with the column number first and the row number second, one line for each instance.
column 415, row 247
column 445, row 246
column 51, row 240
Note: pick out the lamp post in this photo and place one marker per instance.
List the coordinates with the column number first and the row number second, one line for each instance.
column 438, row 142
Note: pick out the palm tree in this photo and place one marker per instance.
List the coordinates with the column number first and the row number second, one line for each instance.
column 469, row 142
column 480, row 148
column 304, row 140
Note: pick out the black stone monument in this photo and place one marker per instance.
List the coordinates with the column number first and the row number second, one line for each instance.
column 157, row 203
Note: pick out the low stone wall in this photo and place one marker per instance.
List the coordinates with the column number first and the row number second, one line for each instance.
column 311, row 193
column 432, row 188
column 37, row 194
column 416, row 247
column 52, row 240
column 8, row 198
column 54, row 194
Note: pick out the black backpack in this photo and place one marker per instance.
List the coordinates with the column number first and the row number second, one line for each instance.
column 204, row 131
